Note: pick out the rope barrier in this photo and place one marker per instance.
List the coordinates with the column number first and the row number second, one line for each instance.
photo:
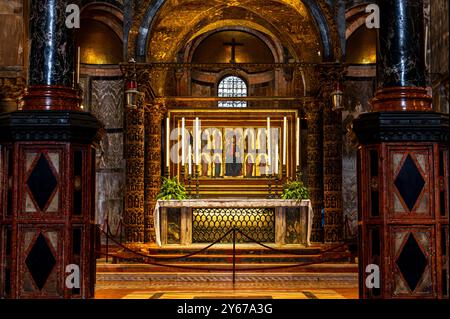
column 168, row 258
column 234, row 230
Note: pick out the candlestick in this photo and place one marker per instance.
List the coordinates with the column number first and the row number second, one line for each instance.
column 190, row 159
column 269, row 155
column 197, row 139
column 167, row 142
column 297, row 143
column 183, row 140
column 78, row 65
column 276, row 158
column 284, row 139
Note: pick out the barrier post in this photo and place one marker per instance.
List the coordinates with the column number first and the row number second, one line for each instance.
column 107, row 237
column 234, row 255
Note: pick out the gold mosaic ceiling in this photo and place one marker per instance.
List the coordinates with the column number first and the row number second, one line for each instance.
column 179, row 20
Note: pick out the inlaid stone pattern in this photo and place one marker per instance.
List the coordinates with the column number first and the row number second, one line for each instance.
column 106, row 103
column 357, row 95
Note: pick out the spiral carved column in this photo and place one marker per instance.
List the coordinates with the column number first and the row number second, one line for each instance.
column 314, row 163
column 153, row 132
column 135, row 154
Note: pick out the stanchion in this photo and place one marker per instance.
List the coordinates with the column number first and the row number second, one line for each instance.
column 234, row 255
column 270, row 186
column 107, row 237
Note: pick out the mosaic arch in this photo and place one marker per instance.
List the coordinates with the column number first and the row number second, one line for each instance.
column 314, row 29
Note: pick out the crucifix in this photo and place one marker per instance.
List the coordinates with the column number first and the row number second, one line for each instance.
column 233, row 45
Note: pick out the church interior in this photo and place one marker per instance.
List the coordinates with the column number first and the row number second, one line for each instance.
column 181, row 149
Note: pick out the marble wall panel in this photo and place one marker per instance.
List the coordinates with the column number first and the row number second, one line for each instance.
column 107, row 101
column 357, row 95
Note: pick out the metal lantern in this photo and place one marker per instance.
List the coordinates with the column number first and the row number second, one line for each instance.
column 131, row 93
column 337, row 97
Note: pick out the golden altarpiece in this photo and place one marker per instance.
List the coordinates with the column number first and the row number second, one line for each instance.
column 233, row 121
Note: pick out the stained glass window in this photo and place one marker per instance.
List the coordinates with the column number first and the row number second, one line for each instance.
column 232, row 86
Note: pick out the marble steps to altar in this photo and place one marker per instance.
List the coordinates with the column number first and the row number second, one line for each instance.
column 224, row 255
column 343, row 268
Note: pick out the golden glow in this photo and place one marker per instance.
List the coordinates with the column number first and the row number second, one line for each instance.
column 361, row 46
column 99, row 44
column 232, row 23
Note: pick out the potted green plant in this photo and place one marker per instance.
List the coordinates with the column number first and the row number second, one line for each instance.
column 171, row 189
column 295, row 189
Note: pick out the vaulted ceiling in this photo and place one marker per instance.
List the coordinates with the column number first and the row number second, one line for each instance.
column 163, row 27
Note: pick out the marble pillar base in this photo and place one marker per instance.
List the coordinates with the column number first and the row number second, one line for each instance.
column 51, row 98
column 402, row 99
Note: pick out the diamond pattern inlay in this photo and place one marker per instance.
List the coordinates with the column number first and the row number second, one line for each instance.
column 40, row 261
column 412, row 262
column 409, row 182
column 42, row 182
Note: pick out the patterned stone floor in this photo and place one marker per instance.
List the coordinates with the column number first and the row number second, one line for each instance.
column 249, row 294
column 224, row 290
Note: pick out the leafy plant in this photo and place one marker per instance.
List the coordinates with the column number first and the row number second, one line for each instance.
column 172, row 189
column 295, row 190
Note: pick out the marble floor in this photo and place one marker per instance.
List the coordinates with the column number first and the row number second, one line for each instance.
column 223, row 290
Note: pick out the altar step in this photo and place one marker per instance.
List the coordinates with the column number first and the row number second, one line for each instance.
column 247, row 256
column 137, row 268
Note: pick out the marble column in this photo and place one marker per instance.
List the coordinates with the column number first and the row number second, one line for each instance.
column 315, row 166
column 403, row 169
column 48, row 173
column 401, row 64
column 153, row 170
column 51, row 64
column 135, row 170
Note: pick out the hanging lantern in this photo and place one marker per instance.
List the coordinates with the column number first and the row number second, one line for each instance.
column 337, row 97
column 131, row 93
column 131, row 88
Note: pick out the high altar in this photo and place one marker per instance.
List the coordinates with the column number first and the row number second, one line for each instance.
column 230, row 152
column 238, row 164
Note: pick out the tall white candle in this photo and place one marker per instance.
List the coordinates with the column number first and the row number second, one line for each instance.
column 276, row 158
column 78, row 65
column 167, row 142
column 197, row 142
column 183, row 140
column 190, row 159
column 297, row 143
column 284, row 139
column 269, row 155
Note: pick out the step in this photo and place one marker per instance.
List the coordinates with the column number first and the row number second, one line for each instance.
column 211, row 267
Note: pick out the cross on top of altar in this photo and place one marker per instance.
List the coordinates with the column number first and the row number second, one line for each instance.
column 233, row 45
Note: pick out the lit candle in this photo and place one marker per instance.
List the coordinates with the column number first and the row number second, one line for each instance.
column 78, row 65
column 269, row 157
column 297, row 143
column 284, row 139
column 167, row 141
column 183, row 139
column 190, row 159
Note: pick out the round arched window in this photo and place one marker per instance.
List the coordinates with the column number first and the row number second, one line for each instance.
column 232, row 86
